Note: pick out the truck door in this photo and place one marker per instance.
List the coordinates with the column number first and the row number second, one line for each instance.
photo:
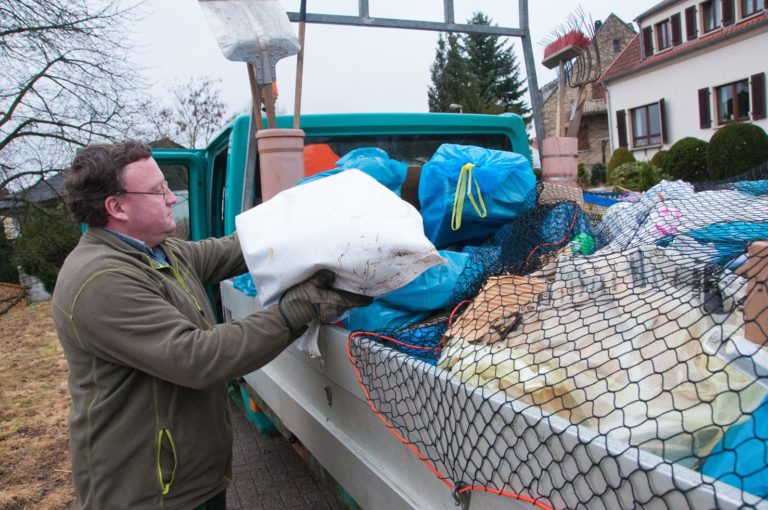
column 185, row 170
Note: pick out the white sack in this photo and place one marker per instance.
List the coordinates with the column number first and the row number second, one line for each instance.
column 348, row 223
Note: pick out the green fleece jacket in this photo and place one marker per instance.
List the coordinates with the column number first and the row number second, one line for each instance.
column 149, row 423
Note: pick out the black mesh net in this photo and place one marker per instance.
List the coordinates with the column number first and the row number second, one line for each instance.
column 596, row 357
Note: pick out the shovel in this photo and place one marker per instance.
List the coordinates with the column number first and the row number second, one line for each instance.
column 257, row 32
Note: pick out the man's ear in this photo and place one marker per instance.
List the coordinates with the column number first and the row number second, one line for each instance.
column 114, row 208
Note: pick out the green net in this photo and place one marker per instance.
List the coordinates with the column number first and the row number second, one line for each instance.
column 595, row 357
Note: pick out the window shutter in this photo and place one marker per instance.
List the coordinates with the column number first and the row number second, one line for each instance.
column 677, row 33
column 690, row 23
column 727, row 12
column 621, row 127
column 705, row 120
column 647, row 41
column 758, row 96
column 663, row 119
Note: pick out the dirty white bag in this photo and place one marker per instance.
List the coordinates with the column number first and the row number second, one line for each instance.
column 347, row 223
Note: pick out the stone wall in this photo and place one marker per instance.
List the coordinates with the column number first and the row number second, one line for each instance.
column 594, row 146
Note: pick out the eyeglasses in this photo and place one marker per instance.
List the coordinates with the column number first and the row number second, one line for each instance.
column 164, row 192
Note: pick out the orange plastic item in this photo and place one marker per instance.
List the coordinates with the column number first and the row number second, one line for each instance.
column 318, row 158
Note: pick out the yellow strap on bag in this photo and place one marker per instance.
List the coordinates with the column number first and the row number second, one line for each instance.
column 464, row 187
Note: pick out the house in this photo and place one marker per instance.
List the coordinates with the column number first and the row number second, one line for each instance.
column 612, row 36
column 43, row 192
column 693, row 67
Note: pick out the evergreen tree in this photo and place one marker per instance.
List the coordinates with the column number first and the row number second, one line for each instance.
column 497, row 71
column 479, row 72
column 452, row 80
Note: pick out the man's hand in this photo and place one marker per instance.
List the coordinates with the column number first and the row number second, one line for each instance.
column 315, row 299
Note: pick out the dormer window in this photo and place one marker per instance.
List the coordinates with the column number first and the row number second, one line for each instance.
column 710, row 13
column 664, row 34
column 750, row 7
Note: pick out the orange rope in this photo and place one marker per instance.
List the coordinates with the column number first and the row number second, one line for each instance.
column 410, row 446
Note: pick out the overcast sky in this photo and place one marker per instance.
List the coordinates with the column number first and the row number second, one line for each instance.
column 346, row 69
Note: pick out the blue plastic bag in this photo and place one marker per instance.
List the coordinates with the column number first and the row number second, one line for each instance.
column 372, row 161
column 381, row 317
column 244, row 283
column 432, row 289
column 467, row 192
column 741, row 457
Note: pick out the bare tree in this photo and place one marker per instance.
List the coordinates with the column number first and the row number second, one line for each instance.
column 64, row 81
column 195, row 114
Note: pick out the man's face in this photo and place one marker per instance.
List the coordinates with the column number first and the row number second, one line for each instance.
column 149, row 216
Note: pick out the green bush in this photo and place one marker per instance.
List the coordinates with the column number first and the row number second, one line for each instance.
column 659, row 159
column 537, row 173
column 583, row 176
column 736, row 148
column 8, row 272
column 47, row 236
column 687, row 160
column 598, row 174
column 636, row 176
column 618, row 158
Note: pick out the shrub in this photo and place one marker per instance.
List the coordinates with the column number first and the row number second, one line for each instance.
column 659, row 159
column 618, row 158
column 47, row 236
column 583, row 176
column 598, row 174
column 537, row 173
column 687, row 160
column 736, row 148
column 8, row 272
column 636, row 176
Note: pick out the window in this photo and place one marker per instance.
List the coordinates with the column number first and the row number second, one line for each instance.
column 178, row 182
column 616, row 46
column 710, row 12
column 732, row 102
column 646, row 125
column 749, row 7
column 664, row 35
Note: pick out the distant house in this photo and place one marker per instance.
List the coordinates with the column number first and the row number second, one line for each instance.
column 693, row 67
column 43, row 192
column 611, row 36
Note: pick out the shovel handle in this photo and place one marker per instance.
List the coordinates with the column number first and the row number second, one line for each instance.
column 299, row 65
column 255, row 97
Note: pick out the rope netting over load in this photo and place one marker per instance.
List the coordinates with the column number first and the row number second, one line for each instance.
column 594, row 360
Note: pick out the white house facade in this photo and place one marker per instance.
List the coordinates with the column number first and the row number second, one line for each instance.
column 694, row 67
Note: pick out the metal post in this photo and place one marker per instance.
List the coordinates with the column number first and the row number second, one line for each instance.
column 448, row 11
column 530, row 67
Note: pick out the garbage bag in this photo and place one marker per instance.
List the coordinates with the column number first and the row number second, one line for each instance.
column 372, row 161
column 432, row 289
column 347, row 223
column 468, row 192
column 741, row 457
column 380, row 316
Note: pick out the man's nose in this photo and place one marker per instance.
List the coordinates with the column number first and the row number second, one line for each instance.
column 170, row 197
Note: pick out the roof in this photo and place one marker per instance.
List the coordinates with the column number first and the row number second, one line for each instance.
column 657, row 8
column 630, row 60
column 42, row 191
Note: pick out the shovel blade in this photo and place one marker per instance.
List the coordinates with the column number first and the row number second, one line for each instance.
column 246, row 30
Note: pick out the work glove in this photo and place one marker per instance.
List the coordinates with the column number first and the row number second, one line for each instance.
column 315, row 299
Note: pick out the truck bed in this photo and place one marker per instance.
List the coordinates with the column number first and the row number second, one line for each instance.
column 323, row 404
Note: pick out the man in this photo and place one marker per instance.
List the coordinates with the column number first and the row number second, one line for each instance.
column 149, row 423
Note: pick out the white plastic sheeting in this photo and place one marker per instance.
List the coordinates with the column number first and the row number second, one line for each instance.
column 347, row 223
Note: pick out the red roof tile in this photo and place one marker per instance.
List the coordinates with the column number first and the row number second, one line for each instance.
column 629, row 61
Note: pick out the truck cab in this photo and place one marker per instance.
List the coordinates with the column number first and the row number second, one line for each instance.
column 218, row 182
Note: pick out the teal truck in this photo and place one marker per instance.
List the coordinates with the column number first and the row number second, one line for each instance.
column 320, row 405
